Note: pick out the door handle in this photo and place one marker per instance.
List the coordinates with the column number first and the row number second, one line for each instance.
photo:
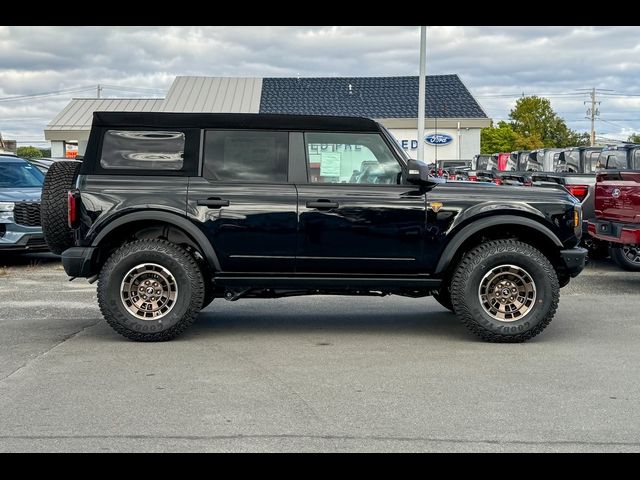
column 323, row 204
column 213, row 203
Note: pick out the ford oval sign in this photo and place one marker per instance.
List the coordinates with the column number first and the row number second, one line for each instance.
column 438, row 139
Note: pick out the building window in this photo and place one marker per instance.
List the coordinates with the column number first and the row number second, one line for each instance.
column 246, row 156
column 141, row 150
column 362, row 158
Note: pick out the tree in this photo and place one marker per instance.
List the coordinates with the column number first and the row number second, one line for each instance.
column 539, row 126
column 634, row 138
column 29, row 152
column 500, row 138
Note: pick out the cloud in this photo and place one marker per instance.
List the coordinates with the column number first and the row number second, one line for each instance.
column 490, row 60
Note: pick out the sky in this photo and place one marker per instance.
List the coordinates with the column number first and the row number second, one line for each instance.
column 498, row 64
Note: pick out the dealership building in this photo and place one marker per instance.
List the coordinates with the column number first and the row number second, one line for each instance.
column 453, row 116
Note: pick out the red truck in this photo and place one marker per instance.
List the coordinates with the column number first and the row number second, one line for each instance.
column 617, row 209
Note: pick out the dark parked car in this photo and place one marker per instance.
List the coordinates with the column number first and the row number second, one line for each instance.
column 20, row 189
column 170, row 211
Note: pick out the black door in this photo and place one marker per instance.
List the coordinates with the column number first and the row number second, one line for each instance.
column 243, row 200
column 354, row 216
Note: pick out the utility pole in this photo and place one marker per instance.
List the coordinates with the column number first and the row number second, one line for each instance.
column 422, row 86
column 99, row 90
column 593, row 111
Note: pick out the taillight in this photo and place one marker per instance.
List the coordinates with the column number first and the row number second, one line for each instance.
column 473, row 178
column 72, row 209
column 497, row 181
column 578, row 191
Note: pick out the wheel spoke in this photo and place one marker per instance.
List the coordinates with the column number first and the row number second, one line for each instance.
column 507, row 293
column 148, row 291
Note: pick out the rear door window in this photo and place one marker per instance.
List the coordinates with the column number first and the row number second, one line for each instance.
column 250, row 156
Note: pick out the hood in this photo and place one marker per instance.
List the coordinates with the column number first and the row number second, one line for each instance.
column 20, row 194
column 489, row 191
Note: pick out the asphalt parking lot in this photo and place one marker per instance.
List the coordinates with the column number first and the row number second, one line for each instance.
column 315, row 373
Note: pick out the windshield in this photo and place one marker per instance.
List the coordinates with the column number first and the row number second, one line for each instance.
column 20, row 175
column 613, row 159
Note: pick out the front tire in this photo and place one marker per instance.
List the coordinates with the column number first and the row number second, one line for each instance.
column 150, row 290
column 505, row 291
column 626, row 257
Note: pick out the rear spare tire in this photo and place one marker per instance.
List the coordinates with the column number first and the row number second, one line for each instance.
column 505, row 291
column 60, row 178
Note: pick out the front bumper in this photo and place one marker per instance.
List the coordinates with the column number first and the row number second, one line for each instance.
column 573, row 261
column 78, row 261
column 616, row 232
column 18, row 238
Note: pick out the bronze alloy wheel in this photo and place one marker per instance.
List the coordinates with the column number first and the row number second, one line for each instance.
column 507, row 293
column 149, row 291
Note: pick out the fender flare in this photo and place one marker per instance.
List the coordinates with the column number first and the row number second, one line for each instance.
column 171, row 218
column 480, row 224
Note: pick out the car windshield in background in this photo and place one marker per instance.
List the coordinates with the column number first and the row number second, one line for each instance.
column 567, row 161
column 20, row 175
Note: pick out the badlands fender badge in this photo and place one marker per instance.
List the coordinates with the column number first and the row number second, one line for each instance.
column 435, row 206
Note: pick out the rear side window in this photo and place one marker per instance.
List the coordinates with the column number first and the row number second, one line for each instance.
column 142, row 150
column 246, row 156
column 636, row 159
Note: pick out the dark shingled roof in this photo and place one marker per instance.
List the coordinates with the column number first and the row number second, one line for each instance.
column 373, row 97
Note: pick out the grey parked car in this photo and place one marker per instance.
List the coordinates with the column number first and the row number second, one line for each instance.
column 20, row 191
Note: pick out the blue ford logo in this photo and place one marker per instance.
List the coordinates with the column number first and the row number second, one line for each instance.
column 438, row 139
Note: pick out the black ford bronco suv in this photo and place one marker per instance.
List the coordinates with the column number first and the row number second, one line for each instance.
column 168, row 211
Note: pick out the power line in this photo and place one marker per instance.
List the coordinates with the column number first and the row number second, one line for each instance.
column 46, row 94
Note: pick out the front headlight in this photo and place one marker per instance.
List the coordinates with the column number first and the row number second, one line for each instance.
column 6, row 211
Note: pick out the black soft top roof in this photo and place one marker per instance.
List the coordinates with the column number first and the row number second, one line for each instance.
column 257, row 121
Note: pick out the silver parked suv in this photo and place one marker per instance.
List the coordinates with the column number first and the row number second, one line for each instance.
column 20, row 191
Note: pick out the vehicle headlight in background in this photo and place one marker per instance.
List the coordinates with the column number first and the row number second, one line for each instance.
column 6, row 210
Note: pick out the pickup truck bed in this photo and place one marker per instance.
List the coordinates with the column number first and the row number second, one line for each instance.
column 617, row 210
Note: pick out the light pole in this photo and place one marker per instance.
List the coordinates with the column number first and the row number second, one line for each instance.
column 422, row 83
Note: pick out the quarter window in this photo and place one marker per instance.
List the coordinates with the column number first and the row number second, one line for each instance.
column 246, row 156
column 349, row 158
column 142, row 150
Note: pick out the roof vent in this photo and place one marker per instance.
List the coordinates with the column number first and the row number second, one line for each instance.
column 350, row 89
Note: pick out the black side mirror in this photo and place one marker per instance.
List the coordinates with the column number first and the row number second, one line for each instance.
column 418, row 174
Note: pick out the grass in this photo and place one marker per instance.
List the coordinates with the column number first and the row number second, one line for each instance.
column 33, row 264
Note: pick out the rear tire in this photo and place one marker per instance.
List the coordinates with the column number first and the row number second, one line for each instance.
column 60, row 178
column 505, row 291
column 150, row 290
column 626, row 256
